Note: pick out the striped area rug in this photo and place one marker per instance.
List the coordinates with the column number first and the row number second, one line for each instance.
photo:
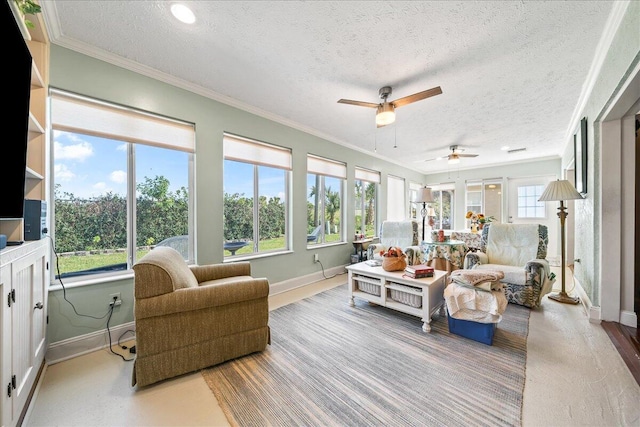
column 334, row 365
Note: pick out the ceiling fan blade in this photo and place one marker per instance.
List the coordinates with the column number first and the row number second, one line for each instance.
column 467, row 155
column 417, row 97
column 430, row 160
column 358, row 103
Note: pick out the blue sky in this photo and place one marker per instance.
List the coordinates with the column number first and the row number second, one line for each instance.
column 89, row 166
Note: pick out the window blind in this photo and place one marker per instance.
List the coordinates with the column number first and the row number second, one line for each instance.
column 326, row 167
column 74, row 113
column 255, row 152
column 367, row 175
column 395, row 198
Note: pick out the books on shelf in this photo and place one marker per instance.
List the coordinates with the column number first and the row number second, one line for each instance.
column 418, row 271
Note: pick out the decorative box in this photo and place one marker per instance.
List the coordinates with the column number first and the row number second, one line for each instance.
column 481, row 332
column 407, row 298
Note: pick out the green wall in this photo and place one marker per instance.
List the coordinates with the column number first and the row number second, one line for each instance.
column 88, row 76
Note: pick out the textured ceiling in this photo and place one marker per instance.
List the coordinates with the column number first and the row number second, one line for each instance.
column 511, row 72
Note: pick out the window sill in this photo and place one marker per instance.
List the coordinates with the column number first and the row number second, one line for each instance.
column 97, row 279
column 249, row 257
column 326, row 245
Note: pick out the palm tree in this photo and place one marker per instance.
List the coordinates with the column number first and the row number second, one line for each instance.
column 333, row 204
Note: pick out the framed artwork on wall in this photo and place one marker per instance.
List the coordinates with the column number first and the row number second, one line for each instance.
column 580, row 152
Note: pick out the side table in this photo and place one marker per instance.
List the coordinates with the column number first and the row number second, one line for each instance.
column 360, row 246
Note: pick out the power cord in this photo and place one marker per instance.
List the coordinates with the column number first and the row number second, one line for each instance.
column 323, row 275
column 109, row 313
column 109, row 333
column 64, row 289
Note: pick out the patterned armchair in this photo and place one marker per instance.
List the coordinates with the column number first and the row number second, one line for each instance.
column 518, row 250
column 402, row 234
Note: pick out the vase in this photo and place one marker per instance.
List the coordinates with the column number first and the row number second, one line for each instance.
column 474, row 228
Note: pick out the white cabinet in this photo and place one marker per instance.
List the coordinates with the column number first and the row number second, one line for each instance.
column 24, row 290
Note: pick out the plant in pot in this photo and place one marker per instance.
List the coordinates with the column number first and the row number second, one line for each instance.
column 28, row 7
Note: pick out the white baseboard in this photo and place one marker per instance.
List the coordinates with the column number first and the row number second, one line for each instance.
column 83, row 344
column 593, row 312
column 77, row 346
column 297, row 282
column 629, row 318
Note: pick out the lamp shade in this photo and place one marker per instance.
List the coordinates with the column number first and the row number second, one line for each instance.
column 385, row 114
column 559, row 190
column 424, row 195
column 431, row 212
column 453, row 159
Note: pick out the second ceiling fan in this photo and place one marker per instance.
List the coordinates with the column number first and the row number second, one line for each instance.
column 385, row 111
column 454, row 157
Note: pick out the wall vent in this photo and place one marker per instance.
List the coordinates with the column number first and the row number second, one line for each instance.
column 515, row 150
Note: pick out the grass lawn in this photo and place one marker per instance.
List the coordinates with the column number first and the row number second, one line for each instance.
column 68, row 264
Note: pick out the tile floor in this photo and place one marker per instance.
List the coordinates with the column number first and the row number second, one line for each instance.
column 574, row 377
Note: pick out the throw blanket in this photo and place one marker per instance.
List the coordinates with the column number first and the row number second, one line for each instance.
column 512, row 244
column 398, row 233
column 468, row 303
column 474, row 277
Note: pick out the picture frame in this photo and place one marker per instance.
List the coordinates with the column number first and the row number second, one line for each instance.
column 580, row 153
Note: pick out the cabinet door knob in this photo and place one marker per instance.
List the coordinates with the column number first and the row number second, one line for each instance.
column 39, row 306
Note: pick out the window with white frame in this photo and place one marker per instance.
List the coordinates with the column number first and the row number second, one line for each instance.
column 443, row 206
column 122, row 184
column 365, row 195
column 395, row 198
column 528, row 204
column 485, row 197
column 325, row 198
column 256, row 196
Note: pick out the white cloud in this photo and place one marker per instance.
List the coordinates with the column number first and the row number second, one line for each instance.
column 119, row 177
column 100, row 187
column 121, row 147
column 62, row 173
column 78, row 151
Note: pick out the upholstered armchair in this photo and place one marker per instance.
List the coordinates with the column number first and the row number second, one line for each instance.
column 402, row 234
column 520, row 251
column 191, row 317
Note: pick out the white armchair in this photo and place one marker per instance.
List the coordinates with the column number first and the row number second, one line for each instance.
column 402, row 234
column 518, row 250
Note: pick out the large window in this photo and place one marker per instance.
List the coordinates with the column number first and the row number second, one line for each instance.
column 325, row 199
column 121, row 185
column 443, row 206
column 395, row 198
column 256, row 197
column 366, row 209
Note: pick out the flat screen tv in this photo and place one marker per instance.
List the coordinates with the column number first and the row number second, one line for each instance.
column 17, row 70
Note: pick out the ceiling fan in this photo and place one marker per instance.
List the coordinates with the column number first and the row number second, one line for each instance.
column 454, row 157
column 385, row 111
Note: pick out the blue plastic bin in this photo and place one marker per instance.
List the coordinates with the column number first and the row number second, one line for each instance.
column 481, row 332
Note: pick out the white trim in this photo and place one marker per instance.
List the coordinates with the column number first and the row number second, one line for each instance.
column 298, row 282
column 77, row 346
column 628, row 318
column 610, row 29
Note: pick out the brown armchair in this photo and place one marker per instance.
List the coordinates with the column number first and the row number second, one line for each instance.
column 189, row 318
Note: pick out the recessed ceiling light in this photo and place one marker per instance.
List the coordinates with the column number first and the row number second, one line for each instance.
column 504, row 147
column 183, row 13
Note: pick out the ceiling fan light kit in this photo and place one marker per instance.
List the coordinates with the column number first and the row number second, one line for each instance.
column 385, row 115
column 385, row 111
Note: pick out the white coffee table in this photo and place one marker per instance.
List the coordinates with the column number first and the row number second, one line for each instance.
column 379, row 283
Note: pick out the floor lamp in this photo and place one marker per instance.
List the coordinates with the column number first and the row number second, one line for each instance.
column 561, row 190
column 424, row 197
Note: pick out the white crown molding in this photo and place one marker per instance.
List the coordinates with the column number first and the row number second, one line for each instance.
column 610, row 29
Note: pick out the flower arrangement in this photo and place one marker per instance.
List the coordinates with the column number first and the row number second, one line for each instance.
column 479, row 218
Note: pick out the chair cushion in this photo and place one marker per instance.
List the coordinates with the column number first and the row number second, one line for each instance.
column 512, row 244
column 161, row 271
column 399, row 233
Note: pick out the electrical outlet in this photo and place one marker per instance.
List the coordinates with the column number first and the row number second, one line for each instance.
column 316, row 258
column 115, row 300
